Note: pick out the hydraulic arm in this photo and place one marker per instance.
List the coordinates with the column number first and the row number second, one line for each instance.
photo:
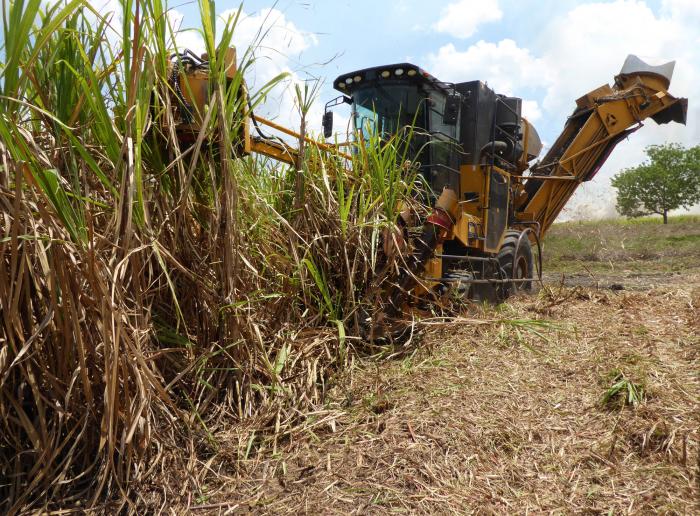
column 189, row 81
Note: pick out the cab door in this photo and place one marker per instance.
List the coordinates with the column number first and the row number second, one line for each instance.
column 444, row 149
column 496, row 210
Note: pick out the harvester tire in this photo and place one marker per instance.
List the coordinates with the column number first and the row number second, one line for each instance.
column 524, row 264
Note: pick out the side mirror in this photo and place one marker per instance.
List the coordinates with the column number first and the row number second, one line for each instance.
column 451, row 113
column 327, row 124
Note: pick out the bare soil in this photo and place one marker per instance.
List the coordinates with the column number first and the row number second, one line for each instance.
column 624, row 280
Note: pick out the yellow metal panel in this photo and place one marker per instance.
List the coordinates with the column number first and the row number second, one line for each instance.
column 433, row 268
column 616, row 116
column 614, row 110
column 467, row 226
column 472, row 179
column 589, row 99
column 274, row 150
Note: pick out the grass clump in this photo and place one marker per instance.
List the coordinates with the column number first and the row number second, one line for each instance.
column 623, row 391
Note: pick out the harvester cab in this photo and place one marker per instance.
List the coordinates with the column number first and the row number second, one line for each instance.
column 454, row 124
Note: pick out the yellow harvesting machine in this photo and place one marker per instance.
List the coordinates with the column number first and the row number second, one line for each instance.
column 491, row 196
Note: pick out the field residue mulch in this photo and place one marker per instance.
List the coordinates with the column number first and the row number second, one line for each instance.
column 500, row 414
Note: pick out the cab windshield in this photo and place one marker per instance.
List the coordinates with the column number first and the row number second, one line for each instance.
column 384, row 108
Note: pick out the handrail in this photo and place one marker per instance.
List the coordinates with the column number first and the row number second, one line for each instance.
column 311, row 141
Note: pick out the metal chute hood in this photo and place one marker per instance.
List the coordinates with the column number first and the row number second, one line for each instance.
column 634, row 66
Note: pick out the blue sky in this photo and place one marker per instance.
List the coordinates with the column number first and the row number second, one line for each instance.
column 548, row 52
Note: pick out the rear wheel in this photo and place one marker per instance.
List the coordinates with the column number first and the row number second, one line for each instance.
column 516, row 262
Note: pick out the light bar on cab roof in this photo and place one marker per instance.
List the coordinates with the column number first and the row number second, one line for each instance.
column 397, row 72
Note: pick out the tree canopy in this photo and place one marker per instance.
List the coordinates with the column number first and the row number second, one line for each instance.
column 669, row 180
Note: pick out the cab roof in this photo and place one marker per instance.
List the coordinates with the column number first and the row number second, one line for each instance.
column 348, row 82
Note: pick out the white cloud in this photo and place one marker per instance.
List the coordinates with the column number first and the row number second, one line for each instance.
column 504, row 65
column 586, row 54
column 278, row 44
column 185, row 38
column 461, row 19
column 686, row 9
column 507, row 69
column 275, row 37
column 105, row 7
column 583, row 55
column 531, row 110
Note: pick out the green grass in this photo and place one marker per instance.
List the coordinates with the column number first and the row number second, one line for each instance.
column 638, row 245
column 623, row 391
column 626, row 221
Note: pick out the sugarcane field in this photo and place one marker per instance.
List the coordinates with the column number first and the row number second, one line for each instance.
column 304, row 257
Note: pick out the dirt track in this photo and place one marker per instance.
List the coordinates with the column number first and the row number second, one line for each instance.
column 503, row 413
column 634, row 281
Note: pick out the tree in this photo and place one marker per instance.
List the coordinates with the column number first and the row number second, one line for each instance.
column 670, row 179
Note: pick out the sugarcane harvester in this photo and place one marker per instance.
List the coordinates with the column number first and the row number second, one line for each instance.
column 490, row 199
column 492, row 202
